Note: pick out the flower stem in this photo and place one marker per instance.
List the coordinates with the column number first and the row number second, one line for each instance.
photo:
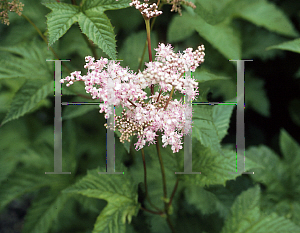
column 169, row 97
column 145, row 181
column 166, row 204
column 162, row 170
column 131, row 102
column 152, row 24
column 159, row 95
column 147, row 21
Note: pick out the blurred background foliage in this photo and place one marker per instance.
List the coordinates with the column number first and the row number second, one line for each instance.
column 260, row 30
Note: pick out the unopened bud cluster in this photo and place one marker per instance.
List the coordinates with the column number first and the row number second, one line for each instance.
column 147, row 11
column 176, row 5
column 14, row 6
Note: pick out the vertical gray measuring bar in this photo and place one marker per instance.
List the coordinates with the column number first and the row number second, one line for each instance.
column 240, row 120
column 57, row 121
column 110, row 135
column 188, row 158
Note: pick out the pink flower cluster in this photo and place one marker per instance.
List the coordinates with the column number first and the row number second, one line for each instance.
column 168, row 68
column 117, row 86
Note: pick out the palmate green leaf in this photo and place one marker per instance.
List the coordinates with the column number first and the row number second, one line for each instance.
column 91, row 19
column 246, row 216
column 60, row 19
column 98, row 28
column 29, row 62
column 266, row 14
column 293, row 46
column 29, row 96
column 120, row 193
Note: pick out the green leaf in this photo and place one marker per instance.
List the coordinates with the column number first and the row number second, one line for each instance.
column 20, row 182
column 281, row 184
column 60, row 19
column 97, row 27
column 221, row 117
column 297, row 75
column 294, row 110
column 29, row 95
column 257, row 39
column 7, row 165
column 91, row 19
column 289, row 147
column 29, row 61
column 293, row 46
column 214, row 12
column 103, row 5
column 256, row 97
column 266, row 14
column 268, row 159
column 43, row 212
column 131, row 51
column 179, row 29
column 204, row 128
column 246, row 216
column 224, row 37
column 202, row 199
column 117, row 190
column 215, row 169
column 203, row 75
column 72, row 111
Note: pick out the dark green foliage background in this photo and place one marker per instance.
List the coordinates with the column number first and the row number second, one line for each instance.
column 268, row 201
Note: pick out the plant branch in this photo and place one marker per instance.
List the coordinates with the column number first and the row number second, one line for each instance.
column 173, row 193
column 170, row 224
column 152, row 212
column 162, row 170
column 145, row 181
